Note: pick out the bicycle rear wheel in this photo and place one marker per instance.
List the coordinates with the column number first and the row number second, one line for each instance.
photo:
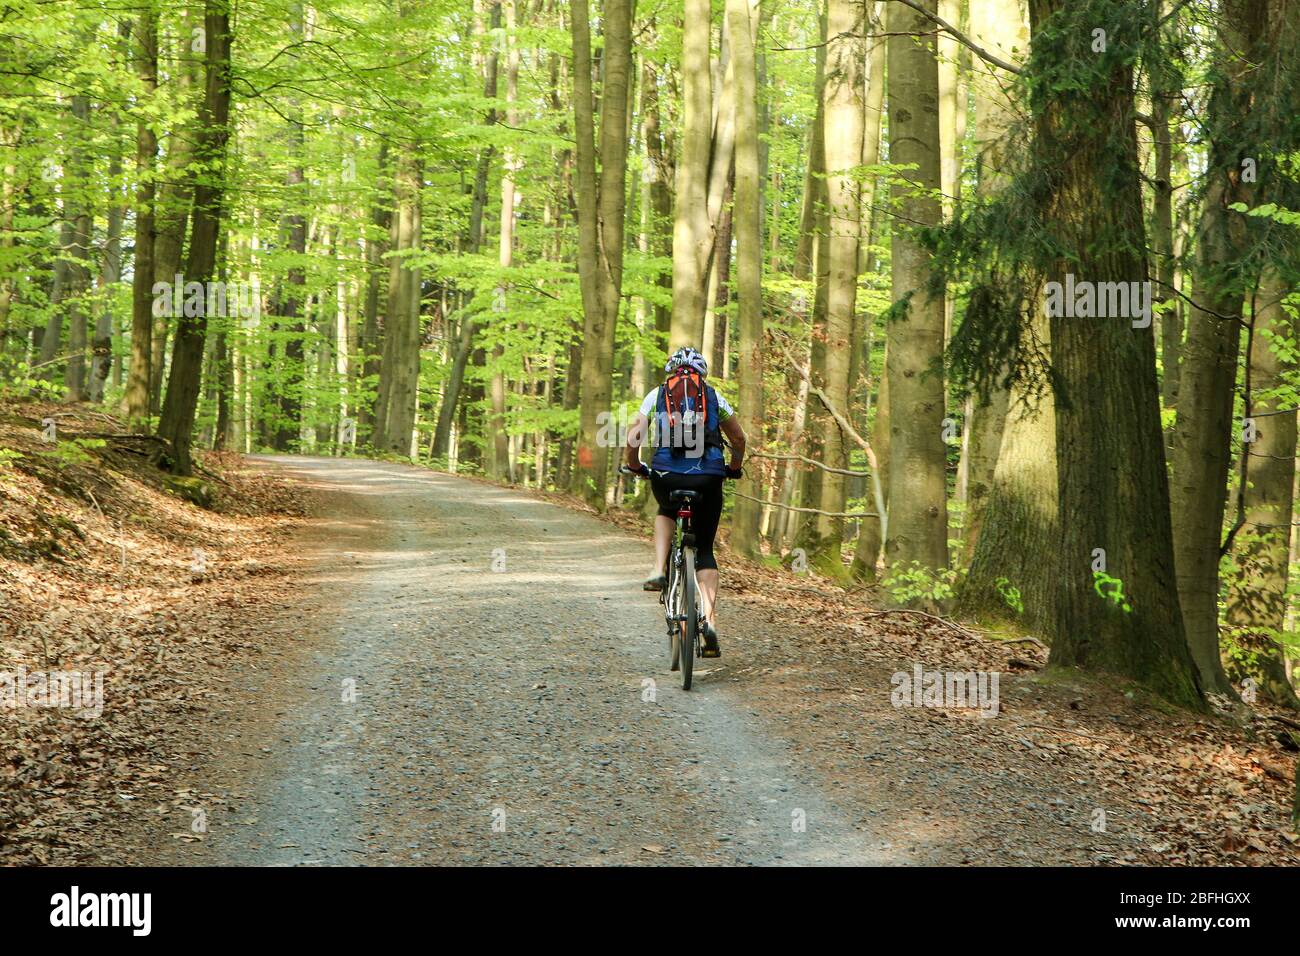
column 690, row 613
column 670, row 600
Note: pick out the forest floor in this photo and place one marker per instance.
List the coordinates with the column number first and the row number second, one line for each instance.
column 372, row 663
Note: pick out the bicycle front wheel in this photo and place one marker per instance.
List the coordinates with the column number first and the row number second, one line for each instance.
column 690, row 616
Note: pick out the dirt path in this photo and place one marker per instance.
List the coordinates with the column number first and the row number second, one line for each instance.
column 499, row 715
column 402, row 702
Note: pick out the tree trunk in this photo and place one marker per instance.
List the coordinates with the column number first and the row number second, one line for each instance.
column 291, row 307
column 1018, row 533
column 1257, row 601
column 79, row 174
column 52, row 335
column 659, row 169
column 866, row 551
column 987, row 415
column 177, row 422
column 500, row 465
column 743, row 16
column 1164, row 104
column 173, row 198
column 370, row 346
column 399, row 374
column 1202, row 437
column 601, row 324
column 918, row 512
column 137, row 387
column 843, row 128
column 455, row 381
column 110, row 272
column 1117, row 608
column 478, row 200
column 692, row 238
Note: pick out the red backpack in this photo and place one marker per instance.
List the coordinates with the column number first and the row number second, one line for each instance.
column 685, row 400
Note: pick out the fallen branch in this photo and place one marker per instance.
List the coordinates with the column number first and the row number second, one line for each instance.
column 812, row 461
column 1062, row 730
column 939, row 620
column 811, row 511
column 1030, row 640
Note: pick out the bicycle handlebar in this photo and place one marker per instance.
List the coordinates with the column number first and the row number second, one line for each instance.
column 623, row 469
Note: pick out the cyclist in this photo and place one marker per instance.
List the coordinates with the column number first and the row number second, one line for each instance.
column 688, row 457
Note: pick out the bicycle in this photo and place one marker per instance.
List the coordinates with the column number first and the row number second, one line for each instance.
column 681, row 596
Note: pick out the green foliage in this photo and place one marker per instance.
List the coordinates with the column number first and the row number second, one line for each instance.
column 913, row 583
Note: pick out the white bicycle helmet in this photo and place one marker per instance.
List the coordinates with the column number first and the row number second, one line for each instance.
column 689, row 358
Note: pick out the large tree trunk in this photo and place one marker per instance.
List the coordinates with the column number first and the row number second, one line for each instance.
column 1117, row 607
column 137, row 387
column 1000, row 27
column 719, row 192
column 796, row 481
column 866, row 552
column 607, row 258
column 1202, row 437
column 1257, row 601
column 1164, row 105
column 805, row 529
column 173, row 198
column 177, row 421
column 692, row 238
column 499, row 464
column 1018, row 534
column 843, row 127
column 743, row 16
column 918, row 512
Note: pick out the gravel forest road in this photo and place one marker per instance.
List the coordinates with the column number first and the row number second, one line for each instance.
column 474, row 688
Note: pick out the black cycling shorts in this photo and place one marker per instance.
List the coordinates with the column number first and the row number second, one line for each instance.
column 706, row 511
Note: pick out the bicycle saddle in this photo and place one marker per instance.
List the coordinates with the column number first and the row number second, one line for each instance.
column 683, row 495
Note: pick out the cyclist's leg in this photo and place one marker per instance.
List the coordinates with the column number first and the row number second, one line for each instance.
column 663, row 538
column 665, row 521
column 707, row 516
column 708, row 578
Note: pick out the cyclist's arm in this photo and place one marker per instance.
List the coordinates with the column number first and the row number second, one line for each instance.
column 736, row 438
column 635, row 436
